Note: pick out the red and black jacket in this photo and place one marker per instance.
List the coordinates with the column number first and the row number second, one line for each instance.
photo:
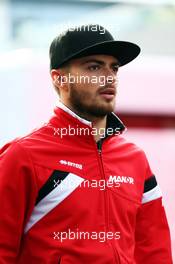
column 43, row 197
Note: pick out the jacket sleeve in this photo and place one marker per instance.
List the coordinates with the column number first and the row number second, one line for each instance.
column 152, row 234
column 17, row 197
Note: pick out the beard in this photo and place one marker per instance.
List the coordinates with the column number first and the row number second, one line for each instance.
column 78, row 101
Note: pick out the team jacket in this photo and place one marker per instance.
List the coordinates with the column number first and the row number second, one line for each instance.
column 65, row 199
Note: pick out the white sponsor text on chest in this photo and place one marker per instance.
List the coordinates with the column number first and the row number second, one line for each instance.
column 121, row 179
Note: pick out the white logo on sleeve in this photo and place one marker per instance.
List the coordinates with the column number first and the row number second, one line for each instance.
column 121, row 179
column 71, row 164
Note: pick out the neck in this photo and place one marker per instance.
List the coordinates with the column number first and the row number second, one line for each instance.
column 98, row 123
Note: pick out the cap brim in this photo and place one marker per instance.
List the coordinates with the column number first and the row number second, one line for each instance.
column 124, row 51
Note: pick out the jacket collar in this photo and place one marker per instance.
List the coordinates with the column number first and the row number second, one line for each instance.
column 70, row 112
column 113, row 120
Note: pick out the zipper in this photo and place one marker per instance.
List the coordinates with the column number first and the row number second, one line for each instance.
column 99, row 147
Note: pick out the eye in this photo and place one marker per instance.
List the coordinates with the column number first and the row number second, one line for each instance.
column 94, row 67
column 115, row 68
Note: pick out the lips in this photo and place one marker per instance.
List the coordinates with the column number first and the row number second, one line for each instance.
column 108, row 93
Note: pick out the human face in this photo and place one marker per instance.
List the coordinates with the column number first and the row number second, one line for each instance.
column 94, row 95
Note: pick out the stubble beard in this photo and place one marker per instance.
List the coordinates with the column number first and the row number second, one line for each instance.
column 87, row 110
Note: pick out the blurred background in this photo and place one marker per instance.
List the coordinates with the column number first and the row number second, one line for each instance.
column 146, row 96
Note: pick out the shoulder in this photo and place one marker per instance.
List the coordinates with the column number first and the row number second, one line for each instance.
column 19, row 146
column 128, row 147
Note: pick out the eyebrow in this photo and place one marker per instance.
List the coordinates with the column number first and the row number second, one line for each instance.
column 98, row 61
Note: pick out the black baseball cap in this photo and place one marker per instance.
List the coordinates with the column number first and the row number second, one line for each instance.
column 88, row 40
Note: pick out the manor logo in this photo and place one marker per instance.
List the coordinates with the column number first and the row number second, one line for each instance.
column 121, row 179
column 71, row 164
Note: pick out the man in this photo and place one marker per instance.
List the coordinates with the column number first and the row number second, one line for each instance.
column 74, row 190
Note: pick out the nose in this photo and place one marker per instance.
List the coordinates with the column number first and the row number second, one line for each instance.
column 111, row 76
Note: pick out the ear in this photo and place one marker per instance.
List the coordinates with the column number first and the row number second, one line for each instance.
column 55, row 75
column 59, row 80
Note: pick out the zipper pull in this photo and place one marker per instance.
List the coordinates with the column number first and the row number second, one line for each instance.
column 99, row 146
